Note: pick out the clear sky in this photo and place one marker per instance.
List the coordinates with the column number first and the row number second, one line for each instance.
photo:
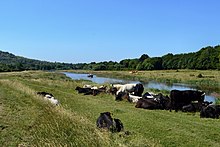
column 83, row 31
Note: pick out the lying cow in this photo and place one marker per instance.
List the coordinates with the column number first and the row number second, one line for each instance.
column 49, row 97
column 126, row 96
column 185, row 97
column 86, row 91
column 210, row 111
column 105, row 121
column 158, row 102
column 136, row 89
column 195, row 107
column 91, row 91
column 148, row 104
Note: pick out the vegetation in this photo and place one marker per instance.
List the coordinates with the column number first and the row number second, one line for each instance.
column 10, row 62
column 27, row 120
column 206, row 58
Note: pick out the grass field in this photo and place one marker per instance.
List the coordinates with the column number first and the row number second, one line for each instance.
column 27, row 120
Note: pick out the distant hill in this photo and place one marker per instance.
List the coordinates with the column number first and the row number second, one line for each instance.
column 10, row 62
column 206, row 58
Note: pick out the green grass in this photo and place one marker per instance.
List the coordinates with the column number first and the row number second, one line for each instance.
column 26, row 119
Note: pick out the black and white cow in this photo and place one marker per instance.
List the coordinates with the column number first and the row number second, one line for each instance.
column 105, row 121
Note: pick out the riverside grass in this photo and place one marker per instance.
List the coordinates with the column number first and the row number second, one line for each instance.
column 27, row 120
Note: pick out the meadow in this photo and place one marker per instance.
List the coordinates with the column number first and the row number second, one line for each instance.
column 27, row 120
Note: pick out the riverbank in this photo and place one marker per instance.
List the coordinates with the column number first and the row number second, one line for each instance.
column 27, row 120
column 204, row 79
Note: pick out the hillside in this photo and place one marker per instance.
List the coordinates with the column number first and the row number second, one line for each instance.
column 11, row 62
column 205, row 59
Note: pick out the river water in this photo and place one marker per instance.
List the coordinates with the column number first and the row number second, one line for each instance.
column 148, row 85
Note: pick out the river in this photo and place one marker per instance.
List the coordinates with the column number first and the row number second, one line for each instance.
column 150, row 84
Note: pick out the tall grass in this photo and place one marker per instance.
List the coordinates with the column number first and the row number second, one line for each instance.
column 26, row 119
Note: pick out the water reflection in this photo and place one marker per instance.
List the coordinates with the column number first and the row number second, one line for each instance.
column 148, row 85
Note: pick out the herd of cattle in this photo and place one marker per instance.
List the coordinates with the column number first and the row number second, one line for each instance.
column 185, row 101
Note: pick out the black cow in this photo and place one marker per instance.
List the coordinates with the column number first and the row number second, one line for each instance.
column 195, row 107
column 149, row 104
column 181, row 98
column 112, row 90
column 84, row 90
column 90, row 91
column 138, row 89
column 90, row 75
column 122, row 96
column 118, row 125
column 210, row 111
column 105, row 121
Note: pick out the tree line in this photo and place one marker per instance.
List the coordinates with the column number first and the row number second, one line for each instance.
column 206, row 58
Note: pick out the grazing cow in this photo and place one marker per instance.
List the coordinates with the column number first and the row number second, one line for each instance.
column 105, row 121
column 195, row 107
column 49, row 97
column 210, row 111
column 137, row 89
column 181, row 98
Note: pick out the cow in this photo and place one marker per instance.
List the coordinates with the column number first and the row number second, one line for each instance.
column 136, row 89
column 112, row 90
column 49, row 97
column 122, row 96
column 126, row 96
column 210, row 111
column 118, row 125
column 158, row 102
column 90, row 75
column 148, row 104
column 105, row 121
column 44, row 93
column 91, row 91
column 147, row 95
column 133, row 98
column 195, row 107
column 86, row 91
column 185, row 97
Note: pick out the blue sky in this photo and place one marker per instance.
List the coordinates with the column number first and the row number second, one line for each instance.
column 79, row 31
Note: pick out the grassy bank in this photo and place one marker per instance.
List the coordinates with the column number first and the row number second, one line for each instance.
column 26, row 119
